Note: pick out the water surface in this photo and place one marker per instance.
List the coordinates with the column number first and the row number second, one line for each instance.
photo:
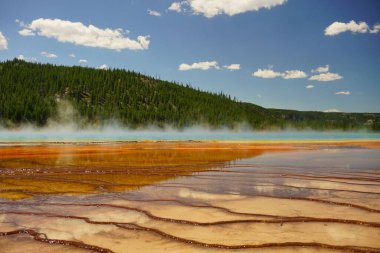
column 118, row 134
column 173, row 198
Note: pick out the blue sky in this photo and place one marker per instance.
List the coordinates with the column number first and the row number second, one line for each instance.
column 273, row 49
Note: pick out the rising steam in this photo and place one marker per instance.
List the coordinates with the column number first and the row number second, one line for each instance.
column 68, row 126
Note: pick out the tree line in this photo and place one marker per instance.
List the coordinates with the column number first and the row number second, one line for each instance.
column 31, row 93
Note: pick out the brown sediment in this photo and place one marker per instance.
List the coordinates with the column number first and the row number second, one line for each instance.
column 88, row 183
column 294, row 197
column 133, row 226
column 198, row 187
column 264, row 183
column 300, row 177
column 353, row 249
column 364, row 208
column 42, row 238
column 278, row 220
column 272, row 174
column 292, row 186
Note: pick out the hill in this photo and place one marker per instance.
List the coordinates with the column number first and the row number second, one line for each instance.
column 33, row 93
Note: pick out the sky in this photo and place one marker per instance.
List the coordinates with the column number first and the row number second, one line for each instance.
column 320, row 55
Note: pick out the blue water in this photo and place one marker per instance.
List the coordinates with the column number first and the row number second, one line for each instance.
column 126, row 135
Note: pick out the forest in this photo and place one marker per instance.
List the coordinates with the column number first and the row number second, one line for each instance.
column 34, row 93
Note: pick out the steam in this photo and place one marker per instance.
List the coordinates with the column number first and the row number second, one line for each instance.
column 111, row 133
column 68, row 126
column 66, row 118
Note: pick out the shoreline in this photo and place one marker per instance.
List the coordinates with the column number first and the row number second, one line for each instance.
column 210, row 144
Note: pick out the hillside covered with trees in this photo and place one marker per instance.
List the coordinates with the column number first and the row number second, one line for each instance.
column 32, row 93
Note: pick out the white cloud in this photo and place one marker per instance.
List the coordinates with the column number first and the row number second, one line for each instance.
column 288, row 74
column 176, row 6
column 375, row 29
column 79, row 34
column 310, row 86
column 82, row 61
column 72, row 55
column 18, row 21
column 206, row 65
column 104, row 67
column 154, row 13
column 360, row 27
column 332, row 110
column 26, row 32
column 232, row 67
column 266, row 73
column 321, row 69
column 212, row 8
column 343, row 93
column 28, row 59
column 49, row 55
column 326, row 77
column 3, row 42
column 144, row 41
column 293, row 74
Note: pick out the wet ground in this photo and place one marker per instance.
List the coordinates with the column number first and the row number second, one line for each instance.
column 189, row 198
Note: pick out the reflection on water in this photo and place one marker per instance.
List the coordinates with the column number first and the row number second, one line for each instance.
column 72, row 170
column 188, row 198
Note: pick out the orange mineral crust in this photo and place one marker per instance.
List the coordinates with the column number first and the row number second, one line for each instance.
column 190, row 197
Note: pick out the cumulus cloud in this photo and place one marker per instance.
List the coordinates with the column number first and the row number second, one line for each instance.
column 80, row 34
column 49, row 55
column 176, row 6
column 326, row 77
column 310, row 86
column 3, row 42
column 212, row 8
column 26, row 32
column 293, row 74
column 266, row 73
column 82, row 61
column 321, row 69
column 104, row 67
column 343, row 93
column 360, row 27
column 72, row 55
column 289, row 74
column 375, row 29
column 232, row 67
column 144, row 41
column 206, row 65
column 28, row 59
column 154, row 13
column 332, row 110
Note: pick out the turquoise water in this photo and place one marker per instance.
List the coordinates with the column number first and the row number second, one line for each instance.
column 124, row 135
